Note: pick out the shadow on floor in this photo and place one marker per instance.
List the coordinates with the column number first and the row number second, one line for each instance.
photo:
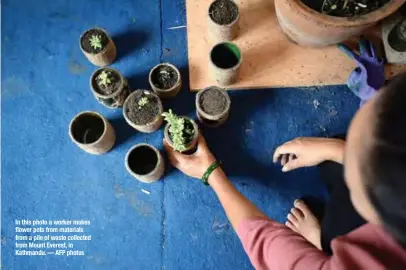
column 129, row 41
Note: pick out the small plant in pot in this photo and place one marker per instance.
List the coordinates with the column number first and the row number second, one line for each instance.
column 213, row 106
column 181, row 132
column 109, row 87
column 225, row 62
column 165, row 80
column 223, row 16
column 145, row 163
column 143, row 111
column 98, row 47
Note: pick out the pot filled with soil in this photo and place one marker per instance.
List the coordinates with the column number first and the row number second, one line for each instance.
column 109, row 87
column 98, row 47
column 92, row 132
column 143, row 111
column 225, row 62
column 165, row 80
column 223, row 16
column 213, row 106
column 145, row 163
column 181, row 132
column 319, row 23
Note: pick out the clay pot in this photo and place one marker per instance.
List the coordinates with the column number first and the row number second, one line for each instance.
column 115, row 99
column 225, row 62
column 92, row 132
column 193, row 142
column 129, row 105
column 103, row 58
column 145, row 163
column 308, row 27
column 162, row 70
column 222, row 32
column 213, row 119
column 394, row 39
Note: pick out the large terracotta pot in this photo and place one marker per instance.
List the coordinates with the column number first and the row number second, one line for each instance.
column 308, row 27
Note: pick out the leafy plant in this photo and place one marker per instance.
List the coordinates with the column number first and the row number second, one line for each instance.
column 104, row 78
column 179, row 132
column 142, row 102
column 95, row 42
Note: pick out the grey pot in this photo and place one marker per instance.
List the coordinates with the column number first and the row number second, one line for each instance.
column 192, row 144
column 212, row 120
column 221, row 33
column 103, row 58
column 224, row 73
column 134, row 163
column 166, row 93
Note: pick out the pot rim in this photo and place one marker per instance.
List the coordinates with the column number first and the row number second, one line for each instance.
column 195, row 127
column 178, row 82
column 211, row 116
column 95, row 28
column 158, row 154
column 93, row 78
column 231, row 68
column 224, row 25
column 105, row 124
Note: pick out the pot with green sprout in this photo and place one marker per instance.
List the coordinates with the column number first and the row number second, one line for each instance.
column 181, row 132
column 98, row 47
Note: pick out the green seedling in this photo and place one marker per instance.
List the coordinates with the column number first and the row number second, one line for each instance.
column 179, row 133
column 104, row 78
column 95, row 42
column 142, row 102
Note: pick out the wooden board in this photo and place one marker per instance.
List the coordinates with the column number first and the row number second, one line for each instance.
column 269, row 58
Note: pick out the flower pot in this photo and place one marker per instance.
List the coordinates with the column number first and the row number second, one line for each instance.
column 165, row 80
column 100, row 56
column 308, row 27
column 92, row 132
column 112, row 94
column 144, row 116
column 225, row 62
column 193, row 141
column 394, row 39
column 223, row 17
column 145, row 163
column 213, row 106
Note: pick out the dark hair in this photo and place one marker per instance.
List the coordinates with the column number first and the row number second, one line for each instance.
column 385, row 165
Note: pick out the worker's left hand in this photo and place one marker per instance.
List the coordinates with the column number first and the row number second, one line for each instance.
column 369, row 76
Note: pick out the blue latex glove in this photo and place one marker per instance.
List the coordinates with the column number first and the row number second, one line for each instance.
column 369, row 76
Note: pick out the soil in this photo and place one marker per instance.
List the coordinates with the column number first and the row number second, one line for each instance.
column 164, row 77
column 186, row 135
column 109, row 89
column 223, row 57
column 85, row 42
column 142, row 160
column 87, row 128
column 145, row 114
column 223, row 12
column 213, row 102
column 345, row 8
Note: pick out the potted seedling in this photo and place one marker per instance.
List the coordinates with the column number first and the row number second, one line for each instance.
column 181, row 132
column 225, row 62
column 145, row 163
column 213, row 106
column 165, row 80
column 223, row 16
column 92, row 133
column 109, row 87
column 143, row 111
column 98, row 47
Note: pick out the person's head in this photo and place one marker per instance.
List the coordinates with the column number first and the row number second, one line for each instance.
column 375, row 159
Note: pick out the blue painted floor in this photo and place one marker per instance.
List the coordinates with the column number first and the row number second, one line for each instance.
column 180, row 225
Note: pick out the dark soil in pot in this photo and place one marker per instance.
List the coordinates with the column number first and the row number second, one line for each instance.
column 225, row 56
column 164, row 77
column 110, row 88
column 142, row 160
column 142, row 114
column 85, row 42
column 223, row 12
column 213, row 102
column 87, row 128
column 345, row 8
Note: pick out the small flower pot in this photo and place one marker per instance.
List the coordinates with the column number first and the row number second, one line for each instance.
column 212, row 106
column 165, row 80
column 225, row 62
column 92, row 132
column 143, row 111
column 109, row 87
column 192, row 142
column 223, row 17
column 145, row 163
column 103, row 55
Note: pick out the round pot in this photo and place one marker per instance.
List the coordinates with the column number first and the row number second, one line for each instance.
column 212, row 106
column 92, row 132
column 145, row 163
column 222, row 31
column 133, row 111
column 171, row 73
column 108, row 53
column 115, row 99
column 225, row 62
column 308, row 27
column 192, row 143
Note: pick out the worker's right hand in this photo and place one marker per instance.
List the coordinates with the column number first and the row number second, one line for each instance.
column 307, row 152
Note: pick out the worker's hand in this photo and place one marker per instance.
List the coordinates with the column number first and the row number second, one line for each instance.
column 194, row 165
column 307, row 152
